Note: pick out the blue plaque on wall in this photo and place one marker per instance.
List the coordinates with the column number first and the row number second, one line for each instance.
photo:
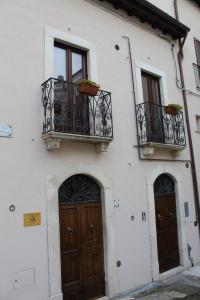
column 5, row 130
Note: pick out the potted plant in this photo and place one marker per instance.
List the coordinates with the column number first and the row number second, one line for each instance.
column 173, row 109
column 88, row 87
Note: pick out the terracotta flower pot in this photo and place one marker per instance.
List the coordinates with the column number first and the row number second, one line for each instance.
column 88, row 89
column 170, row 110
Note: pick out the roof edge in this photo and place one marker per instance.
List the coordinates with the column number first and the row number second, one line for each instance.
column 146, row 12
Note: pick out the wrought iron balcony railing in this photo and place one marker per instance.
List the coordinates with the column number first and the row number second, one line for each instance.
column 197, row 75
column 157, row 126
column 68, row 111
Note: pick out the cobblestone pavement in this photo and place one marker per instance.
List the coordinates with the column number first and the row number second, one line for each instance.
column 182, row 286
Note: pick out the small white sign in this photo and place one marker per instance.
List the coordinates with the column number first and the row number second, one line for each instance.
column 5, row 130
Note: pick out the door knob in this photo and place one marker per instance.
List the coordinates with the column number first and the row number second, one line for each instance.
column 160, row 218
column 70, row 230
column 92, row 227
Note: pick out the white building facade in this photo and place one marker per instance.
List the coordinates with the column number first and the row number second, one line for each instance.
column 97, row 192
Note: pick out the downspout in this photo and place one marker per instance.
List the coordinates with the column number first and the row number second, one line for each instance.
column 133, row 84
column 193, row 166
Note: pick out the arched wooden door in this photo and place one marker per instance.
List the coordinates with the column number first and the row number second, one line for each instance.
column 81, row 239
column 166, row 223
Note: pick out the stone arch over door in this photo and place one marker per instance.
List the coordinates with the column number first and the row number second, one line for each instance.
column 178, row 189
column 53, row 242
column 81, row 238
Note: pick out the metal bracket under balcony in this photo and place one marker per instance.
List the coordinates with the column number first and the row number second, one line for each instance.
column 159, row 130
column 76, row 117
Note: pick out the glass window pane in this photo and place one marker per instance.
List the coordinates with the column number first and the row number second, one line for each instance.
column 77, row 67
column 60, row 63
column 145, row 89
column 155, row 91
column 151, row 88
column 197, row 45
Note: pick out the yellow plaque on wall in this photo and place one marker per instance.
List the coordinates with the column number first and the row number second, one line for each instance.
column 32, row 219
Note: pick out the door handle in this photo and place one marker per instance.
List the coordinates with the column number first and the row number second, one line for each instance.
column 160, row 218
column 92, row 227
column 70, row 230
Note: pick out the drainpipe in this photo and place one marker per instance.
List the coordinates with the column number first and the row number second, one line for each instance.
column 189, row 248
column 133, row 84
column 193, row 166
column 134, row 93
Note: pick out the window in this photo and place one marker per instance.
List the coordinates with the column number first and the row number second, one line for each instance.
column 197, row 48
column 151, row 88
column 153, row 108
column 69, row 63
column 197, row 123
column 70, row 110
column 197, row 66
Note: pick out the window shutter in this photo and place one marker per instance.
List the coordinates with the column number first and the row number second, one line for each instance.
column 197, row 48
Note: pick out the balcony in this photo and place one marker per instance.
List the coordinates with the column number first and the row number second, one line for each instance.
column 73, row 116
column 197, row 75
column 158, row 129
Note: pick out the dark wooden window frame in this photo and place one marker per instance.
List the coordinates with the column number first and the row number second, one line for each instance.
column 143, row 71
column 153, row 114
column 77, row 109
column 69, row 51
column 197, row 64
column 197, row 41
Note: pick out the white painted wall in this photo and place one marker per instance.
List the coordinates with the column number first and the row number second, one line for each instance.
column 193, row 95
column 166, row 6
column 25, row 163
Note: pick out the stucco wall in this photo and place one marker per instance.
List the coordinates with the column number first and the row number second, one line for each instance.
column 166, row 6
column 25, row 163
column 193, row 94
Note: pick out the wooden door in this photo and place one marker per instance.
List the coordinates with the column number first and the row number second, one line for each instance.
column 166, row 224
column 153, row 108
column 81, row 238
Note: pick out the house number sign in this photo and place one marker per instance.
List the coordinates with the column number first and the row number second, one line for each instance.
column 5, row 130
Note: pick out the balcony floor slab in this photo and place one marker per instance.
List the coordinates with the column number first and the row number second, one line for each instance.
column 150, row 147
column 53, row 139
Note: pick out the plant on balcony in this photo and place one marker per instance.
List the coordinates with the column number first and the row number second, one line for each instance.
column 88, row 87
column 173, row 109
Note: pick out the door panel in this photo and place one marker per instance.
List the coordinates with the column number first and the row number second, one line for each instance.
column 82, row 251
column 93, row 248
column 92, row 225
column 71, row 269
column 70, row 228
column 70, row 251
column 167, row 233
